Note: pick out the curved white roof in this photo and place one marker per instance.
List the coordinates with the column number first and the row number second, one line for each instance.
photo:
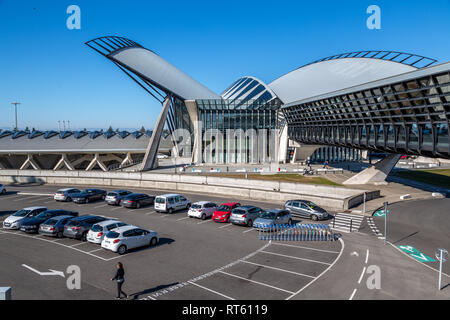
column 332, row 75
column 161, row 73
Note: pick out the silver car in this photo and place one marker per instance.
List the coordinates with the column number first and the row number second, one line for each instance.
column 13, row 221
column 271, row 217
column 306, row 209
column 245, row 215
column 66, row 194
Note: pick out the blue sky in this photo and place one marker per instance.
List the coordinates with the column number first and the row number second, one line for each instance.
column 55, row 76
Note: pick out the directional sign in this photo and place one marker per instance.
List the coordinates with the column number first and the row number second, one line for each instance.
column 444, row 255
column 51, row 273
column 416, row 254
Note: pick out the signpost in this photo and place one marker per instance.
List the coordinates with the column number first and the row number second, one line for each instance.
column 385, row 221
column 442, row 256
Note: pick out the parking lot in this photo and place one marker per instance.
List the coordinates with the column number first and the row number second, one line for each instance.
column 194, row 259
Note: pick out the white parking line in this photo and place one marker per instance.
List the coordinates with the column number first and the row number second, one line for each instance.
column 283, row 270
column 367, row 255
column 353, row 294
column 248, row 230
column 362, row 275
column 292, row 257
column 117, row 208
column 227, row 225
column 151, row 212
column 218, row 293
column 100, row 206
column 95, row 250
column 301, row 247
column 78, row 244
column 204, row 221
column 257, row 282
column 183, row 218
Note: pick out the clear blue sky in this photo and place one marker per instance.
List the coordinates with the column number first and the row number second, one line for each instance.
column 55, row 76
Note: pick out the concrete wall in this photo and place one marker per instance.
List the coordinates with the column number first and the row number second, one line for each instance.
column 331, row 197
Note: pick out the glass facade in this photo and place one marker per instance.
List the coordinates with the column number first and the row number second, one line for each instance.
column 238, row 131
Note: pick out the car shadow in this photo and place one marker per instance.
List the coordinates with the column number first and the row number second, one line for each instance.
column 136, row 295
column 162, row 242
column 9, row 193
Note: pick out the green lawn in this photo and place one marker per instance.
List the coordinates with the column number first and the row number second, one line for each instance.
column 436, row 177
column 284, row 177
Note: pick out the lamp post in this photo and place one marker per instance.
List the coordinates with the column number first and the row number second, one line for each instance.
column 15, row 111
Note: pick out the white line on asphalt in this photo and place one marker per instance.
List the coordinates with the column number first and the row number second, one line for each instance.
column 274, row 268
column 78, row 244
column 290, row 245
column 292, row 257
column 323, row 272
column 151, row 212
column 353, row 294
column 218, row 293
column 183, row 218
column 102, row 205
column 35, row 194
column 257, row 282
column 362, row 275
column 204, row 221
column 248, row 230
column 117, row 208
column 95, row 250
column 227, row 225
column 367, row 255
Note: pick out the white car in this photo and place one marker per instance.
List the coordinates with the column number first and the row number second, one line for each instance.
column 124, row 238
column 65, row 194
column 202, row 209
column 2, row 189
column 13, row 221
column 99, row 230
column 171, row 202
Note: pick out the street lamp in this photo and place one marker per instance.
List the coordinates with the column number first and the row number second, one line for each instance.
column 15, row 110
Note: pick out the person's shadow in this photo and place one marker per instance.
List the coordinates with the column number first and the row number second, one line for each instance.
column 135, row 296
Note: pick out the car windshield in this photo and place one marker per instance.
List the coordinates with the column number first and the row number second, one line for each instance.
column 196, row 206
column 268, row 215
column 160, row 200
column 21, row 213
column 44, row 215
column 112, row 235
column 73, row 223
column 96, row 228
column 51, row 222
column 112, row 194
column 312, row 205
column 238, row 211
column 224, row 208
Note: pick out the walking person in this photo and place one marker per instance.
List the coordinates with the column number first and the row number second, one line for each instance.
column 120, row 278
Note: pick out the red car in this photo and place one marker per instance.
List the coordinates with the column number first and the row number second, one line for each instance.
column 223, row 212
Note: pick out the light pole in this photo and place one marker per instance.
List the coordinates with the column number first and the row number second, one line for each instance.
column 385, row 221
column 15, row 110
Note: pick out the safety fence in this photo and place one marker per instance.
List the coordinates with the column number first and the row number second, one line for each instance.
column 296, row 232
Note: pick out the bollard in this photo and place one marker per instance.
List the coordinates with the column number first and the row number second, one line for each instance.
column 351, row 225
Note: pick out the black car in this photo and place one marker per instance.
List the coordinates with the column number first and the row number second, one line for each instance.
column 54, row 227
column 78, row 228
column 31, row 225
column 137, row 200
column 89, row 195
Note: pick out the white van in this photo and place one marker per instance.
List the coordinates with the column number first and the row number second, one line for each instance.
column 171, row 202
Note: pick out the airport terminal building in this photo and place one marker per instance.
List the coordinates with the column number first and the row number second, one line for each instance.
column 330, row 109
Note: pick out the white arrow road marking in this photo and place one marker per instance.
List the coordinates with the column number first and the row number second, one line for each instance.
column 52, row 273
column 354, row 253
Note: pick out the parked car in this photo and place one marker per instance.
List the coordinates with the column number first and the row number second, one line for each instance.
column 99, row 230
column 171, row 202
column 202, row 209
column 137, row 200
column 129, row 237
column 13, row 221
column 31, row 225
column 306, row 209
column 78, row 228
column 273, row 216
column 89, row 195
column 223, row 212
column 65, row 194
column 2, row 189
column 54, row 227
column 114, row 197
column 245, row 215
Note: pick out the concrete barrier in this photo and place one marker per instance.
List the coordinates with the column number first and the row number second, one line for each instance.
column 338, row 198
column 5, row 293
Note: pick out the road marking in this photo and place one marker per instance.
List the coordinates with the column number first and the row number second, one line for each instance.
column 150, row 212
column 367, row 255
column 78, row 244
column 353, row 294
column 35, row 194
column 274, row 268
column 218, row 293
column 292, row 257
column 301, row 247
column 117, row 208
column 227, row 225
column 51, row 273
column 204, row 221
column 95, row 250
column 183, row 218
column 311, row 282
column 248, row 230
column 100, row 206
column 257, row 282
column 362, row 275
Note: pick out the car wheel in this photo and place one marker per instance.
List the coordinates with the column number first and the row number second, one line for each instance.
column 290, row 221
column 203, row 217
column 68, row 199
column 170, row 211
column 153, row 242
column 84, row 237
column 188, row 206
column 87, row 200
column 103, row 197
column 3, row 191
column 138, row 205
column 314, row 217
column 249, row 223
column 122, row 249
column 59, row 234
